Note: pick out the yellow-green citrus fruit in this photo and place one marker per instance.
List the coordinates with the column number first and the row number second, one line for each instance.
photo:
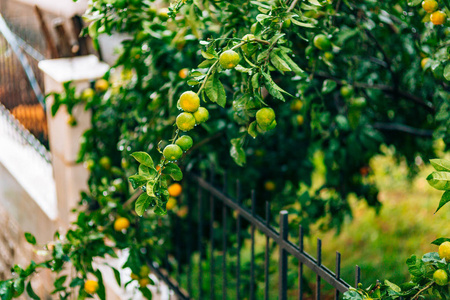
column 438, row 18
column 201, row 115
column 264, row 117
column 300, row 120
column 171, row 203
column 89, row 164
column 143, row 282
column 329, row 56
column 296, row 105
column 269, row 186
column 185, row 142
column 72, row 121
column 91, row 286
column 429, row 5
column 444, row 251
column 172, row 152
column 322, row 42
column 185, row 121
column 175, row 190
column 347, row 91
column 287, row 23
column 440, row 277
column 229, row 59
column 424, row 61
column 189, row 101
column 121, row 224
column 163, row 13
column 144, row 271
column 87, row 94
column 101, row 85
column 134, row 276
column 105, row 162
column 245, row 48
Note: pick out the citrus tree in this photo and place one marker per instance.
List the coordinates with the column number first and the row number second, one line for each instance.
column 269, row 91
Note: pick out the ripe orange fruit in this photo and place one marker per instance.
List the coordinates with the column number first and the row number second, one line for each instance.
column 183, row 73
column 189, row 101
column 229, row 59
column 438, row 18
column 101, row 85
column 185, row 142
column 121, row 224
column 172, row 152
column 183, row 211
column 91, row 286
column 270, row 186
column 264, row 117
column 424, row 61
column 440, row 277
column 430, row 5
column 201, row 115
column 171, row 203
column 185, row 121
column 444, row 251
column 175, row 190
column 321, row 42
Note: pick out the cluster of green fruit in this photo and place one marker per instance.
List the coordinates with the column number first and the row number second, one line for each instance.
column 193, row 114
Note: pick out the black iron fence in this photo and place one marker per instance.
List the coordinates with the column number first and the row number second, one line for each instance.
column 223, row 250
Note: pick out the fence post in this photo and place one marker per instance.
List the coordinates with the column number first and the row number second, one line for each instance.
column 70, row 177
column 282, row 277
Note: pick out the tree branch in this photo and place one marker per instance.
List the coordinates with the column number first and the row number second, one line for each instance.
column 403, row 128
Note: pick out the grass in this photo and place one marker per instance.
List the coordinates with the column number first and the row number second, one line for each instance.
column 381, row 243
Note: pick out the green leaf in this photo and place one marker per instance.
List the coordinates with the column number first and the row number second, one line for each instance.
column 440, row 164
column 394, row 287
column 143, row 158
column 431, row 257
column 328, row 86
column 439, row 180
column 414, row 2
column 207, row 55
column 447, row 72
column 101, row 293
column 147, row 172
column 215, row 90
column 30, row 238
column 117, row 276
column 303, row 24
column 31, row 292
column 142, row 203
column 279, row 63
column 137, row 180
column 237, row 152
column 252, row 129
column 444, row 199
column 416, row 267
column 297, row 70
column 439, row 241
column 272, row 88
column 150, row 188
column 174, row 171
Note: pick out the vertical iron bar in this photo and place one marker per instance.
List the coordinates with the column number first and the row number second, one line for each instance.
column 300, row 265
column 267, row 255
column 189, row 250
column 338, row 273
column 238, row 233
column 357, row 276
column 319, row 262
column 200, row 246
column 224, row 242
column 211, row 234
column 252, row 257
column 282, row 277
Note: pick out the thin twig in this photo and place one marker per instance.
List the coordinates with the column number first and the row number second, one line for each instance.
column 132, row 198
column 403, row 128
column 422, row 290
column 294, row 3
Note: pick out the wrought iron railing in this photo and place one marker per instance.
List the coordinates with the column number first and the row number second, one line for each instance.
column 206, row 261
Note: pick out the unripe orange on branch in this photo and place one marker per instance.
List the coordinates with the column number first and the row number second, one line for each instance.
column 229, row 59
column 189, row 101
